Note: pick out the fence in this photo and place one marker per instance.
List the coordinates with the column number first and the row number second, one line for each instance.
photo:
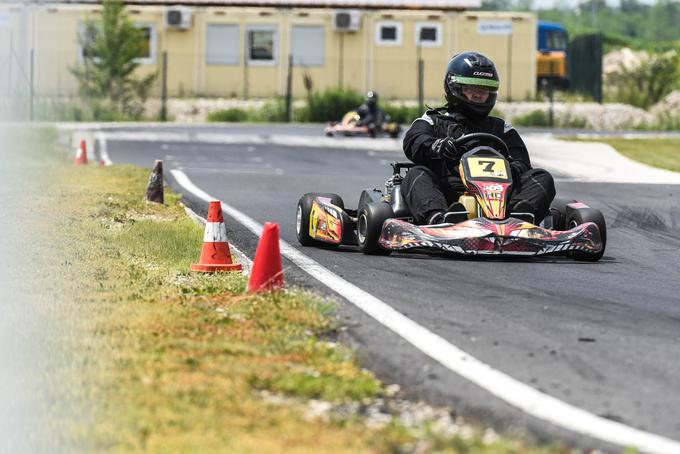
column 585, row 65
column 16, row 83
column 39, row 84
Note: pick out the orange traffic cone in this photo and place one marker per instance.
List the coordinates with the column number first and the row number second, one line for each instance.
column 81, row 153
column 215, row 255
column 267, row 273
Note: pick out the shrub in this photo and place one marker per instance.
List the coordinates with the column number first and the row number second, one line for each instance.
column 228, row 115
column 541, row 118
column 78, row 110
column 402, row 114
column 272, row 111
column 330, row 105
column 664, row 121
column 533, row 118
column 572, row 121
column 647, row 83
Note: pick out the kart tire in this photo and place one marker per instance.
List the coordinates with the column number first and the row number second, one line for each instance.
column 304, row 209
column 580, row 216
column 558, row 210
column 369, row 227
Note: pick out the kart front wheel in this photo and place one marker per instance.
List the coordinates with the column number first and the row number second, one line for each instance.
column 580, row 216
column 369, row 227
column 558, row 210
column 304, row 209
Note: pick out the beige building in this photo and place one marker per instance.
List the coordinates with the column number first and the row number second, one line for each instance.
column 232, row 49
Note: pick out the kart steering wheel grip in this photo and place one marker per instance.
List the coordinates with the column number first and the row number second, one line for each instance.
column 483, row 137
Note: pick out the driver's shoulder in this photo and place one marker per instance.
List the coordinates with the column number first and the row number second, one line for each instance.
column 498, row 125
column 490, row 120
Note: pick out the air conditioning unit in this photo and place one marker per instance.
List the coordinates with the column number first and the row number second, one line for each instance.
column 178, row 17
column 347, row 20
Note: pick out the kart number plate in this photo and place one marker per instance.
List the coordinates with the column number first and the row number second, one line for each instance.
column 487, row 167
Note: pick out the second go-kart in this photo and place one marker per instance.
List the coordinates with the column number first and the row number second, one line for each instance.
column 382, row 223
column 349, row 126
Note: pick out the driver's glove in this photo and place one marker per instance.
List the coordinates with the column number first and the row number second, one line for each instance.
column 446, row 148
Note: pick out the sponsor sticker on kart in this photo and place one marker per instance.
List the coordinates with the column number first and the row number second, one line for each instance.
column 493, row 191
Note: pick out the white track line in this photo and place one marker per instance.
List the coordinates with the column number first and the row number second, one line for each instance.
column 524, row 397
column 103, row 151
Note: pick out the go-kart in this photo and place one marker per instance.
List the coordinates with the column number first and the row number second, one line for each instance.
column 383, row 224
column 350, row 126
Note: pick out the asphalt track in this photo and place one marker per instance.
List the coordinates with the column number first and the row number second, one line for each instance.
column 602, row 337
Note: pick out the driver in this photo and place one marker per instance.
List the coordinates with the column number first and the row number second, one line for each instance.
column 370, row 114
column 432, row 187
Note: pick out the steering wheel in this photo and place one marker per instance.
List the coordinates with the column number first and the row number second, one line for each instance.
column 469, row 141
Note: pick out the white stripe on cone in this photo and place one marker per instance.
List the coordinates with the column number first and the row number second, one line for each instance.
column 215, row 232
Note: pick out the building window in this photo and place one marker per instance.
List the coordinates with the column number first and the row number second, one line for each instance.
column 87, row 36
column 307, row 45
column 388, row 33
column 147, row 50
column 90, row 32
column 223, row 44
column 428, row 34
column 262, row 45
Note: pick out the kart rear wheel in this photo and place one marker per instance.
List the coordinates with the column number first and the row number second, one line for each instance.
column 304, row 209
column 580, row 216
column 369, row 227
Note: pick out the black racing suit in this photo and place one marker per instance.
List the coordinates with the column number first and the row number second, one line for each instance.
column 372, row 116
column 433, row 184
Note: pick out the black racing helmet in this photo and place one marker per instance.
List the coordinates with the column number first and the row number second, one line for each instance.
column 470, row 68
column 372, row 98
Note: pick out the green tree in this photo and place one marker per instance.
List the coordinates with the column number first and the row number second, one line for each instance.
column 106, row 77
column 644, row 26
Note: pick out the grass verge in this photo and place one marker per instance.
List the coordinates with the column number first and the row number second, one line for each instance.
column 661, row 153
column 171, row 361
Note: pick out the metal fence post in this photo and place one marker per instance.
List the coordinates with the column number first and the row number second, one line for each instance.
column 289, row 89
column 510, row 67
column 551, row 81
column 164, row 87
column 341, row 64
column 32, row 80
column 421, row 83
column 420, row 68
column 9, row 65
column 246, row 55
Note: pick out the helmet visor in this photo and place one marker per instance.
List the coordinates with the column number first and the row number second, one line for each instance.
column 473, row 89
column 490, row 83
column 476, row 93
